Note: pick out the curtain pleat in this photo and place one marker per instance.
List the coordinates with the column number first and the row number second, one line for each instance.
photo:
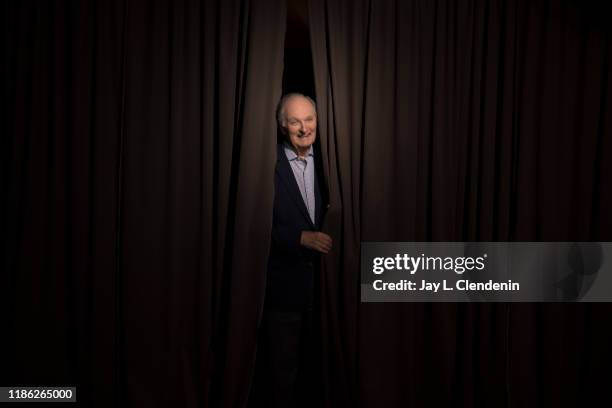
column 461, row 121
column 140, row 154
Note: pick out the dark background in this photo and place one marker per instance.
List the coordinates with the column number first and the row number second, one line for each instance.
column 137, row 155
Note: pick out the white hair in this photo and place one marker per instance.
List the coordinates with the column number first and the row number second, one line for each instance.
column 281, row 116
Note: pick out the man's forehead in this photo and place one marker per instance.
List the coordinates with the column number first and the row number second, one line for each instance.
column 298, row 106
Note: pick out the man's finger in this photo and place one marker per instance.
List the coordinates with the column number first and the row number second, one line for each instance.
column 324, row 236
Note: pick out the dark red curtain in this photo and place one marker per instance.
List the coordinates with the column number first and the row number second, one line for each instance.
column 138, row 158
column 137, row 154
column 463, row 121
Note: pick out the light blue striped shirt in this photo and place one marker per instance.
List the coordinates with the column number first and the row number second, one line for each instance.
column 303, row 170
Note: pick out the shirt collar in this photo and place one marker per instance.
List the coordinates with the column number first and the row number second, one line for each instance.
column 292, row 155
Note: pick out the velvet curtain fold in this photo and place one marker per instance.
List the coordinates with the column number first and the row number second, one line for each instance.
column 462, row 121
column 140, row 154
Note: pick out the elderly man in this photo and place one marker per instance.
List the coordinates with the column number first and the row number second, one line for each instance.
column 286, row 338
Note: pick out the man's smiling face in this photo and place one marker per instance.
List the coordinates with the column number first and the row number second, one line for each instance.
column 300, row 123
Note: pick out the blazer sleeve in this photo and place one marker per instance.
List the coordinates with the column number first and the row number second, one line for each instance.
column 287, row 239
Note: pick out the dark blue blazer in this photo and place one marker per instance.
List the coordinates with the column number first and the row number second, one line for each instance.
column 291, row 267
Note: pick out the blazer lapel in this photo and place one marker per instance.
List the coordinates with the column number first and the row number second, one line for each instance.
column 286, row 175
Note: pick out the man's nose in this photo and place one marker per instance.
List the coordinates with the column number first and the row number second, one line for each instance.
column 302, row 127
